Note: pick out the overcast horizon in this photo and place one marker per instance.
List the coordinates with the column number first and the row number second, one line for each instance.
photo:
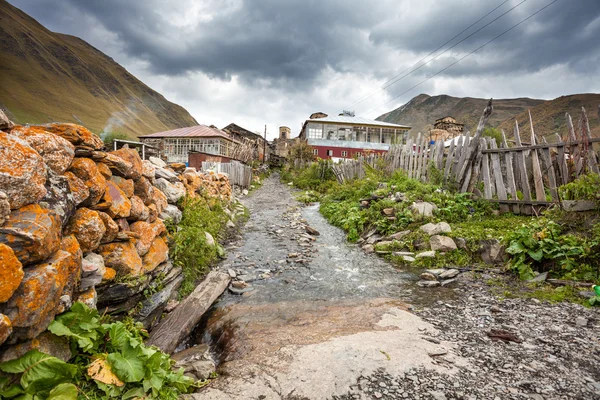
column 276, row 62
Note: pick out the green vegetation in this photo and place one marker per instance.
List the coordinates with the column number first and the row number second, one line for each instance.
column 190, row 248
column 506, row 287
column 493, row 133
column 586, row 187
column 110, row 137
column 110, row 361
column 318, row 176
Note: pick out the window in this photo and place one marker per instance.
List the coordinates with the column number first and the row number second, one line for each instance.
column 344, row 154
column 358, row 154
column 315, row 133
column 316, row 152
column 330, row 153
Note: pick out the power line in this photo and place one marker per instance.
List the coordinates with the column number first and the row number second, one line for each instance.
column 433, row 52
column 462, row 58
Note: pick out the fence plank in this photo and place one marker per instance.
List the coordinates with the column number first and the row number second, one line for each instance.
column 538, row 182
column 470, row 180
column 439, row 162
column 549, row 169
column 589, row 149
column 411, row 157
column 449, row 161
column 522, row 171
column 510, row 176
column 573, row 149
column 497, row 168
column 457, row 154
column 485, row 170
column 563, row 169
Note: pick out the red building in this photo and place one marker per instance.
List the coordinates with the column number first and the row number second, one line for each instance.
column 348, row 136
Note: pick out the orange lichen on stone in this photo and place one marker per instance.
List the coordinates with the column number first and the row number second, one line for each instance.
column 132, row 157
column 126, row 185
column 147, row 234
column 104, row 170
column 70, row 268
column 88, row 227
column 158, row 253
column 11, row 273
column 120, row 205
column 109, row 274
column 22, row 172
column 122, row 257
column 89, row 297
column 160, row 200
column 111, row 227
column 86, row 170
column 78, row 188
column 144, row 190
column 32, row 232
column 139, row 211
column 5, row 328
column 56, row 151
column 76, row 134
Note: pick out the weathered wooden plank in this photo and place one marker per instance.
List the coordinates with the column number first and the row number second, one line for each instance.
column 179, row 323
column 473, row 150
column 561, row 160
column 485, row 170
column 492, row 175
column 449, row 161
column 412, row 157
column 522, row 171
column 538, row 181
column 575, row 157
column 510, row 176
column 463, row 155
column 592, row 160
column 424, row 160
column 497, row 168
column 457, row 155
column 549, row 170
column 541, row 146
column 439, row 162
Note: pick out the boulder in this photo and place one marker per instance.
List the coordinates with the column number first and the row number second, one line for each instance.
column 398, row 235
column 163, row 173
column 492, row 251
column 123, row 224
column 423, row 208
column 4, row 208
column 157, row 162
column 120, row 205
column 436, row 229
column 122, row 257
column 426, row 254
column 171, row 213
column 110, row 226
column 148, row 169
column 76, row 134
column 449, row 273
column 156, row 255
column 369, row 248
column 56, row 151
column 37, row 300
column 58, row 197
column 408, row 258
column 92, row 271
column 126, row 185
column 461, row 243
column 139, row 211
column 144, row 190
column 32, row 232
column 196, row 362
column 5, row 328
column 153, row 213
column 104, row 170
column 428, row 283
column 132, row 158
column 86, row 170
column 160, row 201
column 11, row 273
column 426, row 276
column 442, row 243
column 5, row 123
column 77, row 187
column 147, row 233
column 88, row 228
column 22, row 172
column 210, row 240
column 88, row 297
column 48, row 343
column 173, row 191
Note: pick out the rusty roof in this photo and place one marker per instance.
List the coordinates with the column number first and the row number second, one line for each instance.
column 191, row 131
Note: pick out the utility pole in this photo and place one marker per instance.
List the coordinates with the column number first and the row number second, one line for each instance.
column 265, row 147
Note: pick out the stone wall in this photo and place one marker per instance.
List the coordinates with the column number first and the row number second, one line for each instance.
column 78, row 223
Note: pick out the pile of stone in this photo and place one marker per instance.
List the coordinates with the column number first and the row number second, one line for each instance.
column 78, row 223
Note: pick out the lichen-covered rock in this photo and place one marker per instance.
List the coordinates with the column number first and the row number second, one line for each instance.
column 86, row 170
column 48, row 343
column 89, row 297
column 122, row 257
column 59, row 197
column 157, row 162
column 88, row 228
column 164, row 173
column 153, row 213
column 37, row 300
column 160, row 200
column 147, row 234
column 172, row 213
column 11, row 272
column 442, row 243
column 144, row 190
column 126, row 185
column 123, row 224
column 111, row 227
column 77, row 187
column 76, row 134
column 132, row 157
column 32, row 232
column 156, row 255
column 92, row 271
column 5, row 328
column 139, row 211
column 173, row 191
column 104, row 170
column 109, row 275
column 5, row 123
column 148, row 169
column 58, row 153
column 22, row 172
column 120, row 205
column 4, row 208
column 69, row 244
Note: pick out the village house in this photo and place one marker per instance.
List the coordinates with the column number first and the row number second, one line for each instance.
column 445, row 128
column 348, row 136
column 254, row 140
column 284, row 142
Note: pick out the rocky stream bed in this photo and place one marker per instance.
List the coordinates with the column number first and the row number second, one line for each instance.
column 309, row 316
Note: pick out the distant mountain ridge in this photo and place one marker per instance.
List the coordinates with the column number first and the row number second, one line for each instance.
column 548, row 115
column 47, row 76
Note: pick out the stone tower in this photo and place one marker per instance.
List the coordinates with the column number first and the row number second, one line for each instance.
column 284, row 132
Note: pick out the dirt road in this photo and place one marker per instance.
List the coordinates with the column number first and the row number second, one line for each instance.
column 322, row 320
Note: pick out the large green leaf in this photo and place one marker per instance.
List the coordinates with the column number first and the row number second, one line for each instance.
column 80, row 323
column 64, row 391
column 130, row 369
column 85, row 340
column 41, row 372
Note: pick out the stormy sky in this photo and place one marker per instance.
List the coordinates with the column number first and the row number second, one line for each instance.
column 274, row 62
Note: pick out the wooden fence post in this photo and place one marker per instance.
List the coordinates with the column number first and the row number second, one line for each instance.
column 500, row 188
column 522, row 171
column 540, row 194
column 470, row 181
column 510, row 175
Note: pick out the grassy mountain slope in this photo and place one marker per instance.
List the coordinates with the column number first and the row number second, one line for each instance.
column 47, row 76
column 422, row 111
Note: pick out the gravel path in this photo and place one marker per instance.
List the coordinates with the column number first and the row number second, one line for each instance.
column 318, row 319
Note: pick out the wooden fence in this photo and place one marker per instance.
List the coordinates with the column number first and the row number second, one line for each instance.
column 505, row 174
column 239, row 173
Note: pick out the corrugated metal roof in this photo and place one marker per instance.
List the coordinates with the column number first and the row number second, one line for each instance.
column 191, row 131
column 356, row 120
